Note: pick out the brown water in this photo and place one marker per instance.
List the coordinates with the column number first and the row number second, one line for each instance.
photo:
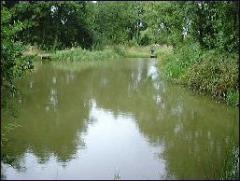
column 115, row 119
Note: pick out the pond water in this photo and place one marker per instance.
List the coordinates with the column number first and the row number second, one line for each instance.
column 115, row 120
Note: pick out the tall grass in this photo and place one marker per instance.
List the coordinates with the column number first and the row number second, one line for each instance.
column 180, row 59
column 137, row 52
column 230, row 169
column 108, row 52
column 79, row 54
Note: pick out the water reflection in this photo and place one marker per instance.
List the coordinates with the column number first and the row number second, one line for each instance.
column 117, row 120
column 106, row 149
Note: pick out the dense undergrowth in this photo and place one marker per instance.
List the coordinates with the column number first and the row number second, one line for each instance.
column 212, row 72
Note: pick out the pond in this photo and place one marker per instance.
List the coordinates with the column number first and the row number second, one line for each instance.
column 115, row 120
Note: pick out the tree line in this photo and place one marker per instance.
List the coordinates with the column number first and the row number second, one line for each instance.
column 87, row 24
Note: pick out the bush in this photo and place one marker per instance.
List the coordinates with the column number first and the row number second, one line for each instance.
column 215, row 74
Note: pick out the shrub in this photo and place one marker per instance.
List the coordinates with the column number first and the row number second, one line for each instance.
column 215, row 74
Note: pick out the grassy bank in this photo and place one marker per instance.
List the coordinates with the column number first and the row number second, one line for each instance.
column 109, row 52
column 208, row 72
column 80, row 54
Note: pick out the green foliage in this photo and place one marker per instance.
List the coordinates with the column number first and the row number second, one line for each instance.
column 183, row 58
column 146, row 37
column 13, row 63
column 49, row 22
column 216, row 74
column 165, row 19
column 215, row 24
column 118, row 23
column 92, row 25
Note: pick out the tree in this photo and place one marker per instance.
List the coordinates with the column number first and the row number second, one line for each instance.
column 12, row 62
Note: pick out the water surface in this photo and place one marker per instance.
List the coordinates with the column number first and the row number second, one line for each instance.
column 115, row 119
